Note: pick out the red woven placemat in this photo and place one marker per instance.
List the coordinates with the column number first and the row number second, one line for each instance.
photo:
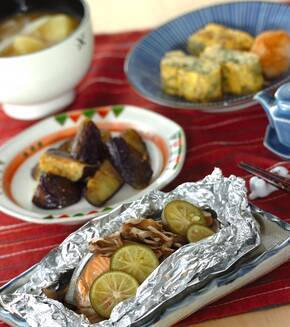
column 213, row 140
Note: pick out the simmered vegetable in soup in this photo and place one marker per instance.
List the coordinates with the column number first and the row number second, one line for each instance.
column 30, row 32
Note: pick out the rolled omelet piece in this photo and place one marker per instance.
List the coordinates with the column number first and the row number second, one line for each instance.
column 241, row 71
column 200, row 81
column 216, row 34
column 191, row 78
column 169, row 68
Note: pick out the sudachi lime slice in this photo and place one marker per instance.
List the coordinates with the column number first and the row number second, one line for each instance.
column 136, row 260
column 110, row 289
column 196, row 233
column 180, row 214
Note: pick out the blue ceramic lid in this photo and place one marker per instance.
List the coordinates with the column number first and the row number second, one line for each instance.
column 283, row 95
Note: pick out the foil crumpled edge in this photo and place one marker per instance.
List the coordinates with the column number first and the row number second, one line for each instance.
column 174, row 277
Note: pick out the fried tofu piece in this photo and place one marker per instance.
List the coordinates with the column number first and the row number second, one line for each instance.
column 103, row 185
column 241, row 71
column 193, row 78
column 216, row 34
column 61, row 164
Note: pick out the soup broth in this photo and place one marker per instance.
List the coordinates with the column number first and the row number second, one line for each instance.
column 30, row 32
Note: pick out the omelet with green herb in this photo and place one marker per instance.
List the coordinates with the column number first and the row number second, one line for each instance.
column 170, row 66
column 241, row 71
column 216, row 34
column 192, row 78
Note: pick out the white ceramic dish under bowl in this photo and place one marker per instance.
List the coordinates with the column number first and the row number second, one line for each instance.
column 36, row 85
column 164, row 138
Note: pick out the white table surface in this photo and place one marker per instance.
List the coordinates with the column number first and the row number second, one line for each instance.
column 125, row 15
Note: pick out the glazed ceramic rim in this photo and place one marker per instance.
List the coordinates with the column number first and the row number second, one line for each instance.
column 174, row 141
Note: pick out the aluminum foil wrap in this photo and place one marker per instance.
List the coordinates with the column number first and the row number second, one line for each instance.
column 178, row 275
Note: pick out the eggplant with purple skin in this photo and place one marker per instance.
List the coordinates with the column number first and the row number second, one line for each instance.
column 135, row 171
column 36, row 172
column 55, row 192
column 134, row 139
column 106, row 135
column 65, row 146
column 87, row 145
column 103, row 185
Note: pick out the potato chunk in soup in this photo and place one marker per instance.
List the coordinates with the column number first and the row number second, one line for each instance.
column 57, row 28
column 30, row 32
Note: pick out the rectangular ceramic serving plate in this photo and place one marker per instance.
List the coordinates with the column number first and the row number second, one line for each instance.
column 273, row 251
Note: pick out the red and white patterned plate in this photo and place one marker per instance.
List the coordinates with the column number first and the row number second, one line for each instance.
column 164, row 138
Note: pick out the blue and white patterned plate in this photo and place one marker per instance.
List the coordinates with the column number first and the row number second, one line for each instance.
column 142, row 63
column 272, row 143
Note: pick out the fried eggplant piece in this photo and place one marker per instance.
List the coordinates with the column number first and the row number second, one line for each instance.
column 55, row 192
column 65, row 146
column 62, row 164
column 87, row 145
column 103, row 185
column 134, row 139
column 105, row 135
column 35, row 172
column 135, row 171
